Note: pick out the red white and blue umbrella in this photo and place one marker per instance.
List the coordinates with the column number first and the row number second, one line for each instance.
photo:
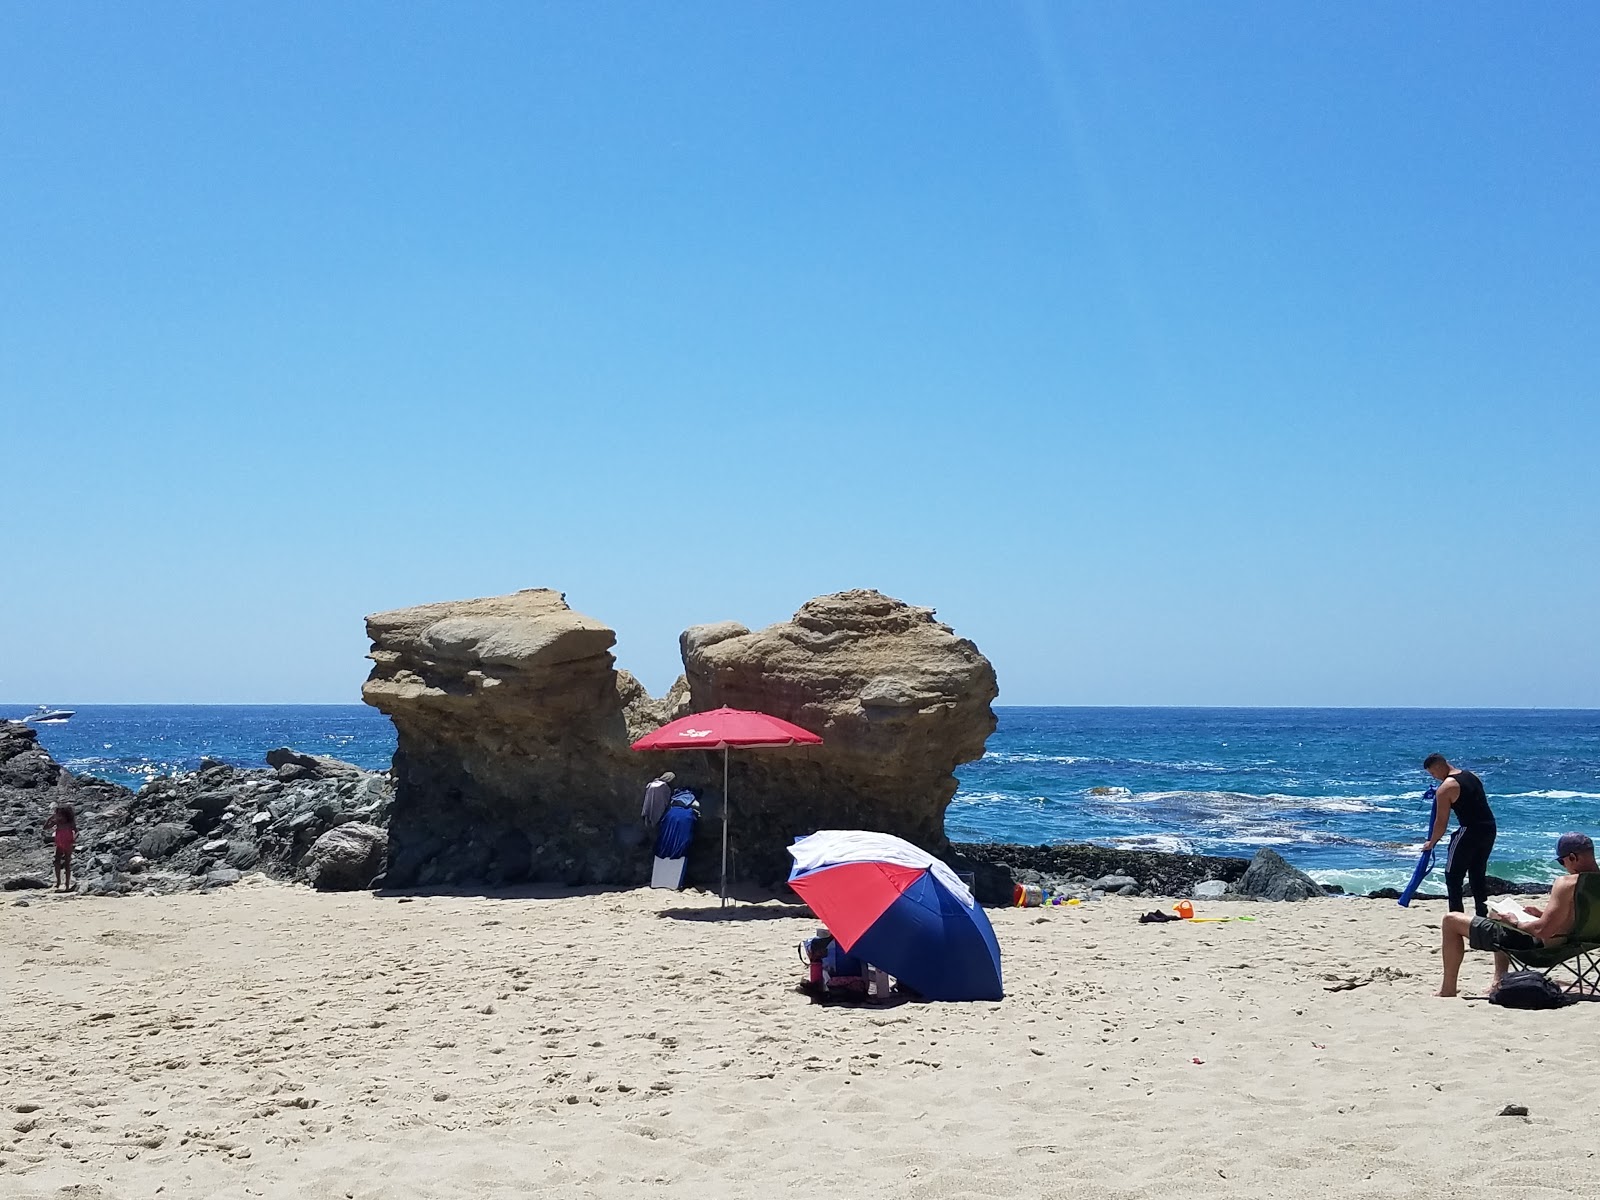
column 900, row 909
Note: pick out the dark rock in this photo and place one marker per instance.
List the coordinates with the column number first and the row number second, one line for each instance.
column 162, row 840
column 1115, row 883
column 18, row 883
column 242, row 855
column 222, row 877
column 346, row 859
column 1076, row 865
column 290, row 772
column 313, row 766
column 1269, row 877
column 24, row 764
column 148, row 841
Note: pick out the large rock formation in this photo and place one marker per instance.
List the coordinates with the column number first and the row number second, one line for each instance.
column 514, row 727
column 900, row 702
column 513, row 759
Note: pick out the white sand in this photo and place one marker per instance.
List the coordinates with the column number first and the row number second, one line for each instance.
column 267, row 1041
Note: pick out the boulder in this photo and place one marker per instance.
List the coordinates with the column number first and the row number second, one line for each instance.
column 312, row 766
column 1116, row 883
column 1269, row 877
column 24, row 764
column 161, row 840
column 346, row 859
column 19, row 883
column 1210, row 889
column 514, row 727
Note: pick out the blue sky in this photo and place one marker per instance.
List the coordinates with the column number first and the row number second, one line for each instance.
column 1177, row 354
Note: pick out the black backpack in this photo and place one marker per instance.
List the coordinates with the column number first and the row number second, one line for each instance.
column 1529, row 989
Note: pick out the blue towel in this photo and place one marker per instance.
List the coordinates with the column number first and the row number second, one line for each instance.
column 676, row 831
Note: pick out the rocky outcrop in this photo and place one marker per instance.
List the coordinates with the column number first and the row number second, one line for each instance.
column 900, row 702
column 192, row 829
column 514, row 727
column 1076, row 869
column 513, row 759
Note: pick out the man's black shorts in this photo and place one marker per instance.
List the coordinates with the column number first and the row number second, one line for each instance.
column 1485, row 934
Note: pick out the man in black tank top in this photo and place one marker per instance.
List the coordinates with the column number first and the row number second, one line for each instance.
column 1462, row 792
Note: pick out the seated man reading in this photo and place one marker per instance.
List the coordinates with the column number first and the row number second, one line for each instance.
column 1531, row 928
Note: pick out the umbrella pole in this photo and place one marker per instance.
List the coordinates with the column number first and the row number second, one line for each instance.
column 724, row 903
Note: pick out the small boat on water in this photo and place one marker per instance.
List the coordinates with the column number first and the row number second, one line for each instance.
column 45, row 715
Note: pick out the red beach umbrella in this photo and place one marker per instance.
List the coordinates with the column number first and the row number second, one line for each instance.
column 726, row 729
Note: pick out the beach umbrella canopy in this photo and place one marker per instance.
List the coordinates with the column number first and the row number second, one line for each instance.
column 726, row 729
column 901, row 909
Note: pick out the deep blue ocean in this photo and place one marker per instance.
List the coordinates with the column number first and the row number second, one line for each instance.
column 1336, row 791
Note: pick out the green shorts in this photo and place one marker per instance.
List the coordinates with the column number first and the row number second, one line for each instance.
column 1497, row 935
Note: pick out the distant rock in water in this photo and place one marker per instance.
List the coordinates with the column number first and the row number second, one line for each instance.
column 514, row 727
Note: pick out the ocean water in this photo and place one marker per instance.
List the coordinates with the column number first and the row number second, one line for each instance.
column 1338, row 792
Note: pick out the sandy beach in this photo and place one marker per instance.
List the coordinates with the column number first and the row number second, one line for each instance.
column 264, row 1040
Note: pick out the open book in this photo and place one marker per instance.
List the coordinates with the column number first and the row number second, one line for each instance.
column 1503, row 908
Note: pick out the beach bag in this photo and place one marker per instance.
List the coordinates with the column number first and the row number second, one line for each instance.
column 1529, row 989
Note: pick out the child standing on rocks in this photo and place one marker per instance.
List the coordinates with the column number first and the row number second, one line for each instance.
column 65, row 824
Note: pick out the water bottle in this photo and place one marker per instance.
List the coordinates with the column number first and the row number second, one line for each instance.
column 816, row 949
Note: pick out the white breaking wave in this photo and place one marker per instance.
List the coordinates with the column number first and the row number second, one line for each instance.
column 1166, row 843
column 1066, row 760
column 1550, row 795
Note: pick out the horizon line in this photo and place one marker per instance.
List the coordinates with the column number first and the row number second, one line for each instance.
column 1188, row 707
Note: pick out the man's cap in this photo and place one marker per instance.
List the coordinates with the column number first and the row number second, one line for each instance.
column 1573, row 843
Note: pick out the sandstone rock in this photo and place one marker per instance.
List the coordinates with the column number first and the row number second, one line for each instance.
column 513, row 759
column 514, row 726
column 347, row 858
column 898, row 698
column 1269, row 877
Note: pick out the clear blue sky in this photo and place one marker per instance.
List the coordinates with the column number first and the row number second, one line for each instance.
column 1176, row 353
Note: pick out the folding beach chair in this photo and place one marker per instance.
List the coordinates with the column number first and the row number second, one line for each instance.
column 1573, row 965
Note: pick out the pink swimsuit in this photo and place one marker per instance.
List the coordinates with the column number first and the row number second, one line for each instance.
column 66, row 836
